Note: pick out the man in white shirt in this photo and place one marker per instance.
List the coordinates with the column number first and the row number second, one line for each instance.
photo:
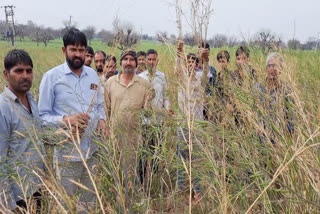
column 160, row 106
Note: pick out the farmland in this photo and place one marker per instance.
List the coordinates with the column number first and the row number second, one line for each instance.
column 235, row 168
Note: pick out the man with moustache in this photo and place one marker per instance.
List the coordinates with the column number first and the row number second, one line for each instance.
column 126, row 95
column 69, row 96
column 19, row 114
column 99, row 61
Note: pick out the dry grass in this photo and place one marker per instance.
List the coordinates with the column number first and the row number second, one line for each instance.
column 238, row 173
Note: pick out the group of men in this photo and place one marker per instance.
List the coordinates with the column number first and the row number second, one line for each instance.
column 103, row 102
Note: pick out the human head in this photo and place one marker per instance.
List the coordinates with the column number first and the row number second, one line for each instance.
column 99, row 60
column 223, row 59
column 89, row 56
column 141, row 56
column 110, row 66
column 75, row 43
column 18, row 71
column 192, row 62
column 128, row 60
column 274, row 65
column 242, row 56
column 205, row 45
column 152, row 59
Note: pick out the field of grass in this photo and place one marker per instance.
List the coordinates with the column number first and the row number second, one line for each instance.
column 238, row 173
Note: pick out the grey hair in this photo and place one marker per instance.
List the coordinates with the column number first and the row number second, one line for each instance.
column 276, row 56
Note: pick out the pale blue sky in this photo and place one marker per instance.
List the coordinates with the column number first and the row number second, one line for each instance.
column 241, row 18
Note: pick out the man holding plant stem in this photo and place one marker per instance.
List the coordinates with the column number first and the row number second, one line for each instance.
column 191, row 98
column 69, row 97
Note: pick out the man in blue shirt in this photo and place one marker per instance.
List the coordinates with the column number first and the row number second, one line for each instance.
column 69, row 97
column 20, row 154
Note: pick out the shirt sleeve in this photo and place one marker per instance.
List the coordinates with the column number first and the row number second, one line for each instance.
column 6, row 194
column 46, row 101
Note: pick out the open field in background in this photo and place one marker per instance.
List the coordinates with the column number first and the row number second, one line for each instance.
column 235, row 168
column 44, row 58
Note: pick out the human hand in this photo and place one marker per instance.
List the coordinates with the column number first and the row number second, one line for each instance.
column 204, row 54
column 180, row 46
column 102, row 129
column 77, row 121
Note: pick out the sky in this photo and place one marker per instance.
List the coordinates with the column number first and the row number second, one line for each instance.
column 239, row 18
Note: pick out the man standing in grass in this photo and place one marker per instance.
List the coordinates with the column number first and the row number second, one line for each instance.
column 191, row 98
column 152, row 129
column 222, row 101
column 276, row 99
column 126, row 95
column 20, row 153
column 109, row 70
column 69, row 95
column 157, row 80
column 245, row 75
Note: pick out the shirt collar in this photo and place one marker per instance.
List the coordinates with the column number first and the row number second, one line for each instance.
column 12, row 96
column 134, row 79
column 67, row 70
column 148, row 74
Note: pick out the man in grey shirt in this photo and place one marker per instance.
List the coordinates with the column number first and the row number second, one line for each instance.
column 20, row 152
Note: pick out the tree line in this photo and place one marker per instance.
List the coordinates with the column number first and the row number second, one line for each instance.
column 123, row 35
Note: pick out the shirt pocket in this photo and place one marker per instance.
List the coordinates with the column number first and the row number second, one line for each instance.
column 88, row 91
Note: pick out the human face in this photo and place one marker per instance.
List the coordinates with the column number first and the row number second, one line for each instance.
column 128, row 64
column 273, row 68
column 152, row 61
column 223, row 63
column 99, row 61
column 75, row 55
column 19, row 78
column 110, row 69
column 141, row 62
column 191, row 64
column 241, row 60
column 88, row 59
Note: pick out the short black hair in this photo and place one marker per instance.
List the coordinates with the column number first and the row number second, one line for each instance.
column 15, row 57
column 74, row 37
column 113, row 58
column 223, row 54
column 141, row 53
column 101, row 52
column 194, row 57
column 90, row 50
column 243, row 50
column 205, row 45
column 152, row 51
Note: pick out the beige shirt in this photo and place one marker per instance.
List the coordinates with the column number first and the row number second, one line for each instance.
column 124, row 105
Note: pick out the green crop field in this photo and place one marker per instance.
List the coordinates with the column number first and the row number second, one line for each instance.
column 236, row 170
